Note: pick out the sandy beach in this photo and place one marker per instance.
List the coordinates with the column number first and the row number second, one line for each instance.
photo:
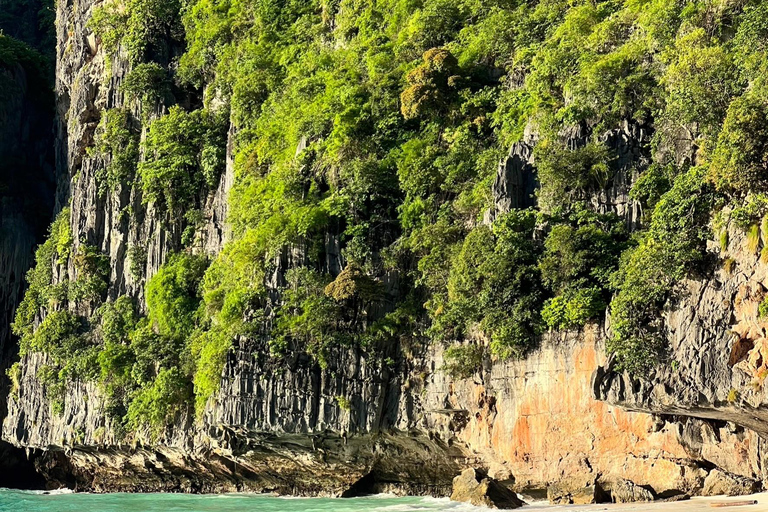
column 726, row 503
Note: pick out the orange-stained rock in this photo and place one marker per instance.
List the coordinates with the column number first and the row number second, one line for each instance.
column 536, row 420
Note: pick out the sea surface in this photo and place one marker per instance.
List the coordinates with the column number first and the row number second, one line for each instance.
column 63, row 501
column 66, row 501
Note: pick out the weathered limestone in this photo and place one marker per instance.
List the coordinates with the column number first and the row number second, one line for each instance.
column 560, row 419
column 624, row 491
column 479, row 490
column 719, row 482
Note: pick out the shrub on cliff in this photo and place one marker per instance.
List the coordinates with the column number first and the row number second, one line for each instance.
column 139, row 26
column 184, row 153
column 494, row 284
column 463, row 361
column 672, row 248
column 117, row 142
column 173, row 295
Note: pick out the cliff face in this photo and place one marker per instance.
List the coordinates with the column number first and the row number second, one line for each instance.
column 717, row 347
column 391, row 419
column 26, row 202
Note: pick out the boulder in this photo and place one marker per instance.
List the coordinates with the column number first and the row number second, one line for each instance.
column 719, row 482
column 567, row 494
column 624, row 491
column 474, row 487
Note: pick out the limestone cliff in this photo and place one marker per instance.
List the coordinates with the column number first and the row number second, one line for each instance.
column 392, row 419
column 26, row 199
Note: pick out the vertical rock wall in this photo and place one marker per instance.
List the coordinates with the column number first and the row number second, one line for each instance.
column 393, row 421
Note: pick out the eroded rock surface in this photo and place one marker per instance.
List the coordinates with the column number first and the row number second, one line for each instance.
column 478, row 489
column 719, row 482
column 624, row 491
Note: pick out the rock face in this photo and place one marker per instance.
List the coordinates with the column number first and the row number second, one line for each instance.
column 566, row 493
column 624, row 491
column 26, row 203
column 481, row 491
column 516, row 180
column 561, row 419
column 716, row 363
column 719, row 482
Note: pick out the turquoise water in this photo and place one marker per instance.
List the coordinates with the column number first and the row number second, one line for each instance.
column 25, row 501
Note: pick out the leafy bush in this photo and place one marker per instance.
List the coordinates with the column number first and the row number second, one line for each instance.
column 137, row 257
column 670, row 250
column 139, row 26
column 309, row 317
column 568, row 175
column 430, row 84
column 118, row 319
column 573, row 308
column 173, row 295
column 494, row 284
column 209, row 350
column 652, row 184
column 180, row 161
column 739, row 162
column 55, row 249
column 117, row 142
column 147, row 82
column 700, row 81
column 158, row 404
column 463, row 361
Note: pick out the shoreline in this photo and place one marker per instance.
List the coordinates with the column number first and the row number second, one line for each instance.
column 736, row 503
column 694, row 503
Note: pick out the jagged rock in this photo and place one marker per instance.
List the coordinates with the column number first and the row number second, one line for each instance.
column 719, row 482
column 565, row 493
column 516, row 181
column 624, row 491
column 516, row 178
column 474, row 487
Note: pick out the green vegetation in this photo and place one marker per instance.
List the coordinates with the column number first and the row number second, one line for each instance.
column 147, row 82
column 142, row 28
column 117, row 142
column 581, row 253
column 365, row 138
column 185, row 153
column 763, row 309
column 494, row 284
column 344, row 403
column 673, row 247
column 41, row 294
column 462, row 361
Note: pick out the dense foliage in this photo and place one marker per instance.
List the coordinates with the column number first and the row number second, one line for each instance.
column 368, row 133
